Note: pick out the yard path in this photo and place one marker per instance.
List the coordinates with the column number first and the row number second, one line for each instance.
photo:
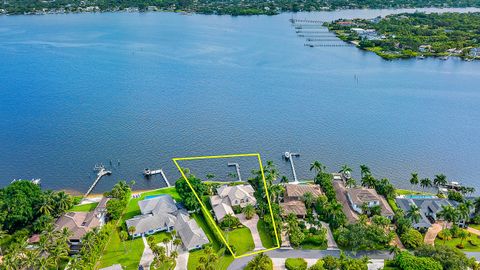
column 147, row 256
column 432, row 234
column 331, row 244
column 474, row 231
column 252, row 225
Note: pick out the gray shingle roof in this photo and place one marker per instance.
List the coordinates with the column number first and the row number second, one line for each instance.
column 427, row 206
column 190, row 233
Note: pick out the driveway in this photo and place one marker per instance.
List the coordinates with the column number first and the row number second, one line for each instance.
column 240, row 263
column 182, row 259
column 252, row 225
column 432, row 233
column 331, row 244
column 340, row 194
column 474, row 231
column 147, row 256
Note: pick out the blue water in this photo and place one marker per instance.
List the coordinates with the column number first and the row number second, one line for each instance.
column 139, row 89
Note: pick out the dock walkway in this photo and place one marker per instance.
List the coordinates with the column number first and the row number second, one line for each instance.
column 101, row 173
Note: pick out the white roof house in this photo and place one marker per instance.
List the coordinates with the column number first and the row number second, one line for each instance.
column 191, row 234
column 162, row 214
column 228, row 196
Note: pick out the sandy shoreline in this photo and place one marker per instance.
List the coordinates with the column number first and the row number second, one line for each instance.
column 93, row 198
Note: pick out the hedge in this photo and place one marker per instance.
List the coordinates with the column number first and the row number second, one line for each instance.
column 296, row 264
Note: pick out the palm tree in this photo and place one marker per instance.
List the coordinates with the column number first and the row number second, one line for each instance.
column 440, row 180
column 249, row 211
column 123, row 237
column 425, row 183
column 177, row 242
column 131, row 231
column 446, row 234
column 414, row 180
column 476, row 204
column 463, row 210
column 369, row 181
column 318, row 167
column 351, row 182
column 275, row 192
column 284, row 179
column 46, row 206
column 463, row 234
column 260, row 262
column 345, row 170
column 308, row 199
column 64, row 201
column 364, row 170
column 3, row 234
column 414, row 213
column 448, row 213
column 165, row 241
column 210, row 176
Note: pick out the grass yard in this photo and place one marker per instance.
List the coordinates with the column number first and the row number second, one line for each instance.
column 267, row 240
column 223, row 260
column 455, row 241
column 241, row 239
column 84, row 207
column 475, row 226
column 410, row 192
column 114, row 252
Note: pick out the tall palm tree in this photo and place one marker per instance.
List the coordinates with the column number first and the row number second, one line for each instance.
column 351, row 182
column 364, row 170
column 414, row 213
column 308, row 199
column 440, row 180
column 46, row 206
column 275, row 192
column 346, row 170
column 463, row 211
column 284, row 179
column 425, row 183
column 369, row 181
column 123, row 237
column 414, row 179
column 3, row 234
column 64, row 201
column 448, row 213
column 318, row 167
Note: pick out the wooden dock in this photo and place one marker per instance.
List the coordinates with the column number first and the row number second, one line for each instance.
column 101, row 173
column 323, row 39
column 164, row 178
column 289, row 156
column 237, row 167
column 328, row 45
column 306, row 21
column 149, row 172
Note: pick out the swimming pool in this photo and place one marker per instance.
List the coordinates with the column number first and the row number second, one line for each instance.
column 418, row 196
column 153, row 196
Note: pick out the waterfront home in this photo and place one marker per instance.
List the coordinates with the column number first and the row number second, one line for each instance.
column 80, row 223
column 295, row 192
column 424, row 48
column 162, row 214
column 231, row 196
column 429, row 208
column 359, row 196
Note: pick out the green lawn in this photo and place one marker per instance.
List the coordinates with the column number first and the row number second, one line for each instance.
column 241, row 239
column 475, row 226
column 224, row 260
column 84, row 207
column 455, row 241
column 409, row 192
column 114, row 252
column 267, row 240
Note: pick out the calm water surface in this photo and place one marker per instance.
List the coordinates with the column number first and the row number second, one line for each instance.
column 80, row 89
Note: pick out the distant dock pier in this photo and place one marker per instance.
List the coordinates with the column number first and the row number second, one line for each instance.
column 237, row 167
column 148, row 172
column 101, row 173
column 289, row 157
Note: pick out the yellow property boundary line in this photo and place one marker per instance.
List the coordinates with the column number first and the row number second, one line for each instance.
column 175, row 160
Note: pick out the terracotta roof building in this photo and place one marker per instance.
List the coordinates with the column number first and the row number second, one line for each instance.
column 295, row 192
column 294, row 207
column 359, row 196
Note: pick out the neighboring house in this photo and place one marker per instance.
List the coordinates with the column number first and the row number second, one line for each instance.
column 293, row 198
column 429, row 208
column 162, row 214
column 295, row 192
column 80, row 223
column 191, row 234
column 359, row 196
column 228, row 196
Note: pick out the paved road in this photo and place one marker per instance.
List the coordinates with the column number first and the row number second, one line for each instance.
column 331, row 244
column 240, row 263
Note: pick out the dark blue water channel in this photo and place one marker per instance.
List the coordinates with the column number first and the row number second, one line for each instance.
column 80, row 89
